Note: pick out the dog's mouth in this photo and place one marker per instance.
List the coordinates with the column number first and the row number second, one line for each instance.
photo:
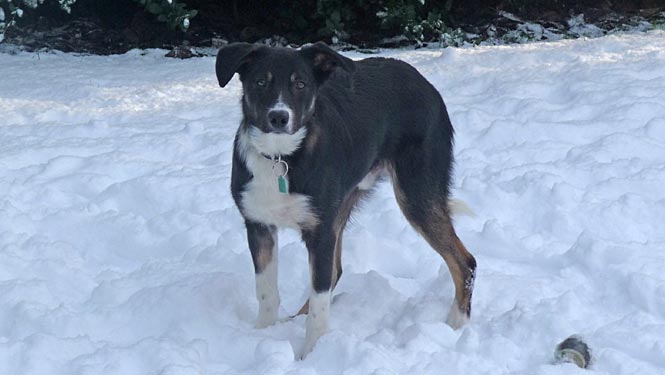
column 268, row 129
column 276, row 131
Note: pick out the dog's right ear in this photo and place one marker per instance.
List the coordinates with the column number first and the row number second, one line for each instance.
column 325, row 60
column 230, row 59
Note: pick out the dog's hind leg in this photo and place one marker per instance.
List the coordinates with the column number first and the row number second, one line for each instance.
column 462, row 267
column 262, row 241
column 340, row 223
column 422, row 195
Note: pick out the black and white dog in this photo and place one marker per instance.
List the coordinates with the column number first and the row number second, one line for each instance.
column 317, row 131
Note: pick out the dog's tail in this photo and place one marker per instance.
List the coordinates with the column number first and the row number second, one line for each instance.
column 458, row 207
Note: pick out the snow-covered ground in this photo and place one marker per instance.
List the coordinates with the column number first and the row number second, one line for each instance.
column 121, row 251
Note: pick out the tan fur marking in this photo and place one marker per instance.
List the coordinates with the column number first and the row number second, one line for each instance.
column 312, row 139
column 265, row 254
column 304, row 309
column 342, row 218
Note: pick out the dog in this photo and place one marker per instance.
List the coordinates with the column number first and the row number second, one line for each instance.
column 318, row 130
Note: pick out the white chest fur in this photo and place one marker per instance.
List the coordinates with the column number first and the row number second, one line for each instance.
column 261, row 199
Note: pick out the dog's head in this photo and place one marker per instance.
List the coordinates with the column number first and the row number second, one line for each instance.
column 280, row 87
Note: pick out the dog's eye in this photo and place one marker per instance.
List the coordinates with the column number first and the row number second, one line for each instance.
column 261, row 82
column 300, row 85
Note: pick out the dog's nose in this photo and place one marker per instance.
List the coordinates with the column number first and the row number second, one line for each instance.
column 278, row 119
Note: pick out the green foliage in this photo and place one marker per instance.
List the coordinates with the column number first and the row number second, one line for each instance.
column 338, row 17
column 398, row 13
column 425, row 30
column 419, row 20
column 361, row 22
column 171, row 12
column 15, row 10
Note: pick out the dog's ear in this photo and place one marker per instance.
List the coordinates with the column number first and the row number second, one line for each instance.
column 231, row 58
column 325, row 60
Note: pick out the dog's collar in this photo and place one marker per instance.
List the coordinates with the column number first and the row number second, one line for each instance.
column 275, row 158
column 271, row 158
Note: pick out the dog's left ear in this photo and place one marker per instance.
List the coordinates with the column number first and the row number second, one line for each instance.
column 325, row 60
column 230, row 59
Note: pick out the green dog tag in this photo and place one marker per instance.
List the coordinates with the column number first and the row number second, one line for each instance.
column 283, row 184
column 280, row 168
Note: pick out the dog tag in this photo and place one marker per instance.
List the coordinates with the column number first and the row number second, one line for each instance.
column 281, row 169
column 283, row 184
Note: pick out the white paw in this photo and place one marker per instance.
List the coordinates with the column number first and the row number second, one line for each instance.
column 316, row 324
column 311, row 338
column 456, row 318
column 267, row 294
column 267, row 317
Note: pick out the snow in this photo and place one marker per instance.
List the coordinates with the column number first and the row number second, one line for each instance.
column 121, row 251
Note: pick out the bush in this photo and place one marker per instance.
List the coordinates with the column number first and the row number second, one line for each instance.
column 418, row 20
column 172, row 12
column 364, row 23
column 15, row 10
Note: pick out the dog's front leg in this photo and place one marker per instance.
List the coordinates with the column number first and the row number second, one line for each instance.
column 321, row 248
column 262, row 241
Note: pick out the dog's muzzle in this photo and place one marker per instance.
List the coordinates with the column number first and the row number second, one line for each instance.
column 279, row 120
